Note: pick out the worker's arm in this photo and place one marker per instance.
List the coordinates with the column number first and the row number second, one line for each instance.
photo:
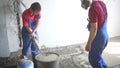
column 93, row 31
column 28, row 29
column 25, row 23
column 31, row 32
column 36, row 26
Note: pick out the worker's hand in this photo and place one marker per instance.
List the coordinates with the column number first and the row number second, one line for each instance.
column 31, row 34
column 88, row 47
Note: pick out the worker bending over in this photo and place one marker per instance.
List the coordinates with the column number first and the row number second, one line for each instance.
column 31, row 22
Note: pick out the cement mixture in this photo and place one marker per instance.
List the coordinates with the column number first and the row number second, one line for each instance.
column 47, row 57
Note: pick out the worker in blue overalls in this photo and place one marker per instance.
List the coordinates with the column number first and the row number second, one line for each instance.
column 98, row 37
column 31, row 22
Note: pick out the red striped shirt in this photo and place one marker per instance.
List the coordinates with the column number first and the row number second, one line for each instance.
column 98, row 13
column 27, row 15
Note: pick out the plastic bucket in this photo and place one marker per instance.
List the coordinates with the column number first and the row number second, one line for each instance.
column 24, row 63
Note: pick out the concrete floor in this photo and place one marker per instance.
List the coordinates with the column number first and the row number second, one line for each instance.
column 112, row 52
column 76, row 57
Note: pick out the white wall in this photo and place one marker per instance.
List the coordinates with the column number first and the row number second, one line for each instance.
column 11, row 25
column 63, row 23
column 113, row 17
column 4, row 48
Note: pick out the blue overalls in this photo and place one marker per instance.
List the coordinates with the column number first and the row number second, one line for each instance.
column 97, row 47
column 28, row 45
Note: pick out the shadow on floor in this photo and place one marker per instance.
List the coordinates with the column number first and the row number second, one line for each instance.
column 13, row 66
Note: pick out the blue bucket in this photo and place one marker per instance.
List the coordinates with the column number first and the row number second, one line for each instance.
column 24, row 63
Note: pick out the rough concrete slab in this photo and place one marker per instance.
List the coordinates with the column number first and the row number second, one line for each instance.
column 70, row 56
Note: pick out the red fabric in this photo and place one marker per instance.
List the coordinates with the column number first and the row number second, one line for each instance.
column 98, row 13
column 27, row 15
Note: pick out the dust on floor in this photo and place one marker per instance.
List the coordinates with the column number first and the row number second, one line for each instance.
column 70, row 56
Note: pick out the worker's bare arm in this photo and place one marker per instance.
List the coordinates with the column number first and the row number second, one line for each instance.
column 93, row 31
column 36, row 26
column 28, row 29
